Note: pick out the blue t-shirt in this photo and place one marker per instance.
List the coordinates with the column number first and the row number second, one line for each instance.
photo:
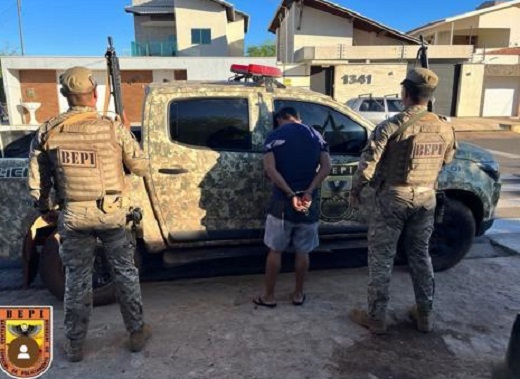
column 297, row 149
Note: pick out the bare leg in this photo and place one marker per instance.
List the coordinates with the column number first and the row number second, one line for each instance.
column 272, row 268
column 301, row 267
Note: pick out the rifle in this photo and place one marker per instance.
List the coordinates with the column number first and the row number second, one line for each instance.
column 422, row 56
column 113, row 80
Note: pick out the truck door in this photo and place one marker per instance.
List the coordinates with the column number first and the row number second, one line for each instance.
column 206, row 159
column 346, row 138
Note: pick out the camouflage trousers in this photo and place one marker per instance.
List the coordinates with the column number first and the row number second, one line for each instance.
column 82, row 224
column 395, row 209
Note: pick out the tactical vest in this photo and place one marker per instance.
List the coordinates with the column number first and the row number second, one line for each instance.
column 86, row 157
column 415, row 154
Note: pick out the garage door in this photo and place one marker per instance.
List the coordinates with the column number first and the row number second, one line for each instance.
column 446, row 93
column 500, row 96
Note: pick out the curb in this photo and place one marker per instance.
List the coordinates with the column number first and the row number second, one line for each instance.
column 495, row 241
column 482, row 130
column 510, row 127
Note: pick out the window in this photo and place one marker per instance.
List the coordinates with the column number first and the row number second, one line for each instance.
column 394, row 105
column 220, row 124
column 343, row 135
column 372, row 105
column 201, row 36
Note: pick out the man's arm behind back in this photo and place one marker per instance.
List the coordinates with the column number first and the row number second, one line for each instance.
column 133, row 156
column 451, row 142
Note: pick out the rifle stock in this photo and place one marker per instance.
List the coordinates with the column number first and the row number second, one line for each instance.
column 114, row 79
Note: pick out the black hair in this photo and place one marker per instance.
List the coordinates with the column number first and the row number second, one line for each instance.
column 287, row 112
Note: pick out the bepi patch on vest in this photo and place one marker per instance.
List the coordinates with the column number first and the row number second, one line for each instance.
column 77, row 158
column 428, row 150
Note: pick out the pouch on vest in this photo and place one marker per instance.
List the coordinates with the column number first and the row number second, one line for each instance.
column 110, row 205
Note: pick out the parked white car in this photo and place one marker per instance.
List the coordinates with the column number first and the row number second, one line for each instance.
column 379, row 108
column 376, row 108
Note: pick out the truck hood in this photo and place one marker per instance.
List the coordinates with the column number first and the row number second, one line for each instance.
column 479, row 157
column 470, row 152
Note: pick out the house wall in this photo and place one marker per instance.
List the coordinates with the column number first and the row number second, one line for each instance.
column 470, row 90
column 135, row 74
column 507, row 18
column 285, row 38
column 444, row 38
column 364, row 38
column 133, row 85
column 39, row 86
column 296, row 75
column 320, row 29
column 201, row 14
column 384, row 79
column 291, row 35
column 498, row 28
column 160, row 31
column 493, row 38
column 467, row 24
column 235, row 35
column 164, row 76
column 13, row 92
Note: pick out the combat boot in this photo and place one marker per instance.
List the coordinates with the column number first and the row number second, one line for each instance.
column 73, row 350
column 138, row 339
column 423, row 320
column 362, row 318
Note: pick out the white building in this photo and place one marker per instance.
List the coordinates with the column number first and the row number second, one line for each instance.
column 210, row 28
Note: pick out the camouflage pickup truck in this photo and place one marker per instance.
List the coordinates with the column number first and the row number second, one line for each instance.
column 205, row 192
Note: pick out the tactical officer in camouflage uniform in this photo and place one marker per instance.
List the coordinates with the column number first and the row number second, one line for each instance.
column 401, row 162
column 81, row 155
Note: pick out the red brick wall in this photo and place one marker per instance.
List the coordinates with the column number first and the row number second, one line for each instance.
column 40, row 86
column 133, row 84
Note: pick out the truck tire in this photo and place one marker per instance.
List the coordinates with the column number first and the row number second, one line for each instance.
column 52, row 273
column 452, row 239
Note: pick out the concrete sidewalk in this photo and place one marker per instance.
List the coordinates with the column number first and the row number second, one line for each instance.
column 506, row 234
column 486, row 124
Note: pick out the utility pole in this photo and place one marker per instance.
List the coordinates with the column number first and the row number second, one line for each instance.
column 20, row 25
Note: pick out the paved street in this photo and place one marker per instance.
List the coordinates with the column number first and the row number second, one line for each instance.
column 509, row 203
column 504, row 147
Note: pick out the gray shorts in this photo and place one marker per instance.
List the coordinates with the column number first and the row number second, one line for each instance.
column 283, row 235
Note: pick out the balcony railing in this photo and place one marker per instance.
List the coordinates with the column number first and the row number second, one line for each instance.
column 154, row 49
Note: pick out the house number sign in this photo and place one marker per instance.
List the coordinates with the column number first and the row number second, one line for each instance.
column 357, row 79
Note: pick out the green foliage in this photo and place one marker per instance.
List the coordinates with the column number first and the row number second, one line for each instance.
column 267, row 49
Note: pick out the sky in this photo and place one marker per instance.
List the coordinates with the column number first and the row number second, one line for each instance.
column 81, row 27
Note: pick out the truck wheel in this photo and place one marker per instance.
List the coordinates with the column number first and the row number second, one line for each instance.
column 53, row 273
column 452, row 239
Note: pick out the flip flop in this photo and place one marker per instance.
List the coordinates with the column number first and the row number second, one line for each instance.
column 259, row 301
column 297, row 303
